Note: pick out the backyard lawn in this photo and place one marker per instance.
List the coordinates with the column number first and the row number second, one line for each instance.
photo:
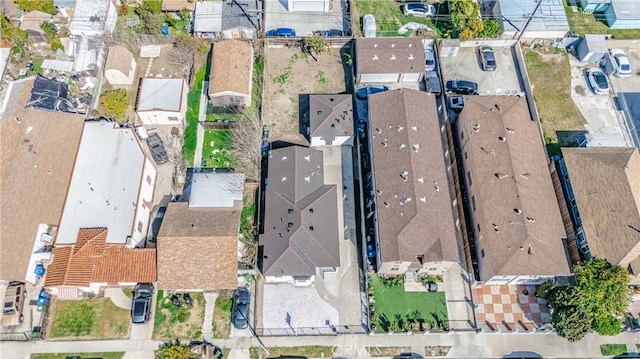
column 222, row 316
column 550, row 77
column 394, row 307
column 109, row 355
column 182, row 322
column 388, row 15
column 193, row 111
column 582, row 23
column 216, row 149
column 95, row 318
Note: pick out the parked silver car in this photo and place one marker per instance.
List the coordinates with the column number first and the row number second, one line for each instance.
column 597, row 81
column 621, row 64
column 369, row 26
column 487, row 58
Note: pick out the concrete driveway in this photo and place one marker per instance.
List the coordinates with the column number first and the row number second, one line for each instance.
column 466, row 66
column 304, row 23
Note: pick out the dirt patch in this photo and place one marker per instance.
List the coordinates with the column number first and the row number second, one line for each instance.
column 183, row 322
column 387, row 351
column 289, row 73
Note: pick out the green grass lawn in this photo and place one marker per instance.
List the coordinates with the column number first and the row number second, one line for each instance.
column 95, row 318
column 393, row 305
column 183, row 322
column 216, row 149
column 222, row 316
column 109, row 355
column 193, row 110
column 582, row 23
column 550, row 76
column 388, row 15
column 613, row 349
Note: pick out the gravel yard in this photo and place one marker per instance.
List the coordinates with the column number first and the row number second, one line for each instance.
column 302, row 305
column 289, row 73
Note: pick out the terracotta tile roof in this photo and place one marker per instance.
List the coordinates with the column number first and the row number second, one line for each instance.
column 198, row 247
column 413, row 197
column 606, row 185
column 517, row 220
column 231, row 67
column 91, row 260
column 33, row 183
column 119, row 58
column 389, row 55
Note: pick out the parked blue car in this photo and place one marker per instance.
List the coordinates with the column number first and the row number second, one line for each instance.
column 281, row 31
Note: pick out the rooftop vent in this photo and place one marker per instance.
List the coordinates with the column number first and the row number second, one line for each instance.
column 393, row 57
column 378, row 130
column 290, row 210
column 531, row 219
column 307, row 158
column 498, row 107
column 423, row 199
column 415, row 128
column 284, row 178
column 435, row 185
column 308, row 179
column 404, row 175
column 511, row 130
column 502, row 139
column 500, row 175
column 375, row 57
column 411, row 57
column 525, row 175
column 476, row 127
column 18, row 121
column 399, row 128
column 311, row 228
column 421, row 179
column 289, row 225
column 401, row 146
column 416, row 147
column 283, row 158
column 386, row 204
column 517, row 210
column 530, row 250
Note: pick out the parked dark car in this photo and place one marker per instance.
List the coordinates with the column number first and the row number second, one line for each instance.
column 282, row 32
column 363, row 93
column 240, row 308
column 487, row 58
column 156, row 147
column 408, row 356
column 432, row 82
column 141, row 304
column 462, row 87
column 329, row 33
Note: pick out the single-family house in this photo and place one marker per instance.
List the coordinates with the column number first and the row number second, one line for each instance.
column 617, row 14
column 300, row 235
column 162, row 101
column 120, row 67
column 93, row 18
column 231, row 83
column 308, row 5
column 514, row 216
column 111, row 187
column 177, row 5
column 530, row 19
column 601, row 189
column 38, row 151
column 414, row 213
column 389, row 59
column 198, row 240
column 90, row 263
column 330, row 120
column 31, row 22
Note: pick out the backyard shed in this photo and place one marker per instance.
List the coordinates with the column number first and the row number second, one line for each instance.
column 592, row 48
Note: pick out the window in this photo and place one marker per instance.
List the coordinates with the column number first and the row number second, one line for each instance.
column 482, row 252
column 469, row 178
column 395, row 269
column 173, row 118
column 473, row 203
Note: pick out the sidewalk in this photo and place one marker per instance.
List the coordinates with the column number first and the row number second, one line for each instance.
column 118, row 298
column 202, row 117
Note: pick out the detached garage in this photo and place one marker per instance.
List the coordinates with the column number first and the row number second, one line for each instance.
column 308, row 5
column 389, row 60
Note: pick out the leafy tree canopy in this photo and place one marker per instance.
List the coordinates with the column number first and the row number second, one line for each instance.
column 115, row 103
column 40, row 5
column 175, row 351
column 598, row 300
column 465, row 22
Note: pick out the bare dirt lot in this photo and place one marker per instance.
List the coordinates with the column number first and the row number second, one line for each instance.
column 288, row 74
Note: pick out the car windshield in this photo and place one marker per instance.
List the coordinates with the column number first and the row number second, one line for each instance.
column 421, row 7
column 625, row 67
column 601, row 80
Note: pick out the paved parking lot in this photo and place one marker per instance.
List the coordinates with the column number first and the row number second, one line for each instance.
column 305, row 23
column 628, row 88
column 465, row 65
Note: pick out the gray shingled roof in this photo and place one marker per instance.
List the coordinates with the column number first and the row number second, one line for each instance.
column 161, row 94
column 330, row 116
column 301, row 221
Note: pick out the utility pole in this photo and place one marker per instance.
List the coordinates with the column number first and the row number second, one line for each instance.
column 524, row 28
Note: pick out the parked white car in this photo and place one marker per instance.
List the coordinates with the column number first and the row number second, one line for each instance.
column 621, row 64
column 419, row 10
column 369, row 26
column 597, row 81
column 429, row 59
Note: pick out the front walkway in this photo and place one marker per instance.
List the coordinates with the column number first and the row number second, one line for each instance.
column 458, row 295
column 202, row 117
column 118, row 298
column 207, row 324
column 509, row 307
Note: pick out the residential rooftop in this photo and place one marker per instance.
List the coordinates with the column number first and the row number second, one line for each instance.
column 381, row 55
column 38, row 150
column 160, row 94
column 515, row 213
column 606, row 185
column 330, row 116
column 231, row 67
column 413, row 197
column 105, row 184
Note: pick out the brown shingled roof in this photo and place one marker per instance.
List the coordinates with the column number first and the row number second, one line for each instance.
column 389, row 55
column 231, row 67
column 198, row 248
column 330, row 116
column 414, row 210
column 517, row 220
column 37, row 156
column 606, row 185
column 119, row 58
column 91, row 260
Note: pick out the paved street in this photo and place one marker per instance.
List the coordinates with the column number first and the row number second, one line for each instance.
column 463, row 345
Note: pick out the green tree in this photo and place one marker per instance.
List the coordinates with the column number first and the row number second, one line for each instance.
column 315, row 45
column 115, row 103
column 49, row 28
column 185, row 14
column 465, row 22
column 490, row 28
column 150, row 7
column 597, row 301
column 175, row 351
column 150, row 13
column 40, row 5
